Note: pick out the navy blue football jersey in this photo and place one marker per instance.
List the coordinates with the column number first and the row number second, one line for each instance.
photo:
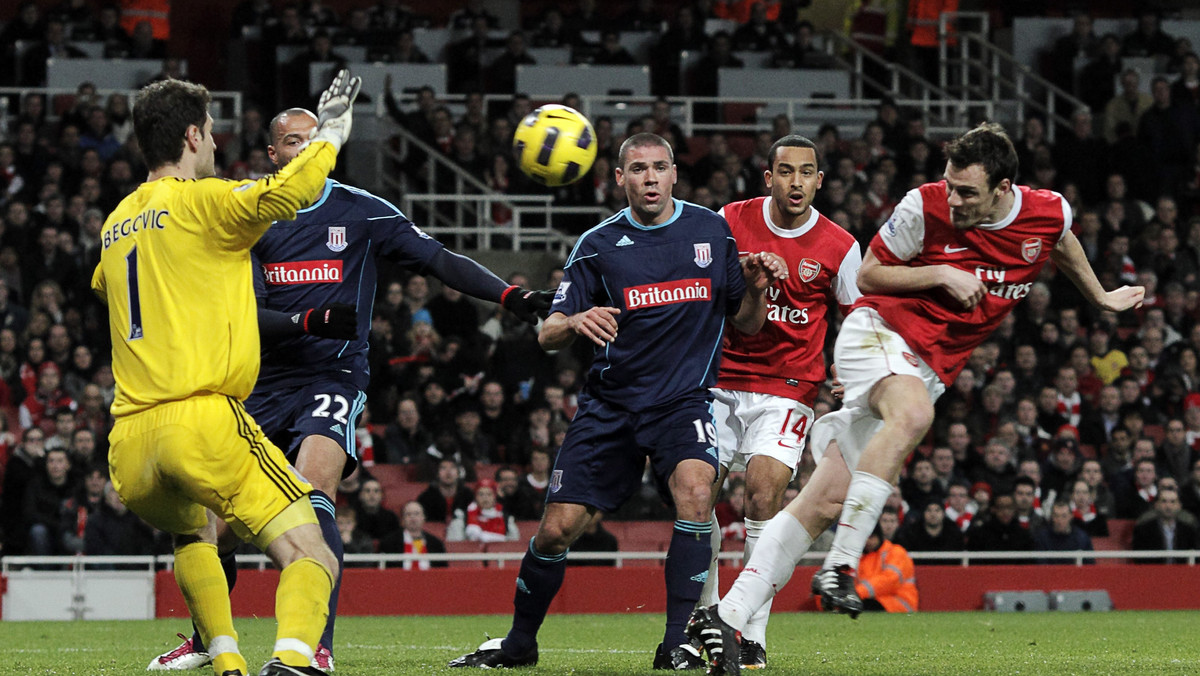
column 327, row 255
column 674, row 284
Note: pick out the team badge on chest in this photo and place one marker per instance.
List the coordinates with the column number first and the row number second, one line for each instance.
column 703, row 254
column 337, row 238
column 1031, row 249
column 809, row 269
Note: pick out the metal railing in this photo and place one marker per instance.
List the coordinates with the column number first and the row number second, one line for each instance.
column 976, row 69
column 12, row 564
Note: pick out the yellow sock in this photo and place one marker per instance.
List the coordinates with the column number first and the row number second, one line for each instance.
column 301, row 608
column 200, row 577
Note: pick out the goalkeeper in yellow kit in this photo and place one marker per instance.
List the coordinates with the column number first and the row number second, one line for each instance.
column 175, row 273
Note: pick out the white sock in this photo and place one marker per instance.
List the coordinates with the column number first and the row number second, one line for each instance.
column 779, row 549
column 219, row 645
column 756, row 628
column 710, row 593
column 860, row 513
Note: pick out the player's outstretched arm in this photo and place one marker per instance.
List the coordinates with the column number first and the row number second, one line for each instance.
column 875, row 277
column 1069, row 256
column 597, row 324
column 760, row 271
column 336, row 321
column 468, row 276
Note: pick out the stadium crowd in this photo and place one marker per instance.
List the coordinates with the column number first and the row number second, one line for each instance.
column 1063, row 421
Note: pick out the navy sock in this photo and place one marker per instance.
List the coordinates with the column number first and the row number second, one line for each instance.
column 537, row 584
column 326, row 517
column 229, row 565
column 686, row 572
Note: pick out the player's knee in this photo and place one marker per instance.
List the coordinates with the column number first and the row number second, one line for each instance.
column 551, row 540
column 913, row 420
column 763, row 504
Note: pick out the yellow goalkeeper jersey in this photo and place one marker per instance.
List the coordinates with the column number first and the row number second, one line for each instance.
column 175, row 273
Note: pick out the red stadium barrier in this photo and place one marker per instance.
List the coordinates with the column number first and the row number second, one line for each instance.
column 484, row 591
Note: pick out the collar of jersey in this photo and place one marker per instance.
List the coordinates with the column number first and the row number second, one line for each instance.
column 791, row 234
column 324, row 196
column 628, row 211
column 1012, row 213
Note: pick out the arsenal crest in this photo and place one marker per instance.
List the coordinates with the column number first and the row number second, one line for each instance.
column 809, row 269
column 1031, row 249
column 703, row 254
column 337, row 238
column 910, row 358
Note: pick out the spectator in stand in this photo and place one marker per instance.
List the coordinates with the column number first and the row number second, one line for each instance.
column 469, row 15
column 446, row 494
column 1081, row 157
column 1092, row 474
column 1169, row 133
column 612, row 52
column 960, row 508
column 731, row 512
column 143, row 44
column 23, row 467
column 934, row 532
column 1000, row 532
column 1028, row 515
column 1165, row 531
column 502, row 72
column 374, row 519
column 758, row 34
column 414, row 539
column 1149, row 38
column 1138, row 496
column 1084, row 511
column 945, row 471
column 1080, row 43
column 1175, row 457
column 997, row 469
column 1061, row 534
column 1186, row 90
column 921, row 486
column 354, row 541
column 42, row 505
column 465, row 58
column 113, row 530
column 508, row 493
column 388, row 15
column 484, row 519
column 53, row 45
column 534, row 483
column 78, row 509
column 46, row 398
column 1189, row 491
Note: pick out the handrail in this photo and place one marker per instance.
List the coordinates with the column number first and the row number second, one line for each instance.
column 1003, row 77
column 931, row 95
column 16, row 564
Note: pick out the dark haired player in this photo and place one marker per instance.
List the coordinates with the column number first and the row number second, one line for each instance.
column 652, row 287
column 768, row 381
column 954, row 259
column 315, row 281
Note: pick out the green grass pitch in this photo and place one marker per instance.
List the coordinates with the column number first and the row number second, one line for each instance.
column 1127, row 642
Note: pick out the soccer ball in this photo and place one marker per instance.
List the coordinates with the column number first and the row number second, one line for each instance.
column 555, row 145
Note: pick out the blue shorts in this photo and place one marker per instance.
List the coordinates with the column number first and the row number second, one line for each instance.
column 604, row 454
column 326, row 407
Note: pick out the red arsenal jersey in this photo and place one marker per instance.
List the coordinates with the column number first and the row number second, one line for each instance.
column 785, row 358
column 1007, row 256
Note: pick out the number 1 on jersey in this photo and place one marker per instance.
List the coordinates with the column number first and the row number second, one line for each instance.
column 135, row 302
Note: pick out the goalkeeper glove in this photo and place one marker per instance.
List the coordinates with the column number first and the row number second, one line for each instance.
column 335, row 109
column 526, row 304
column 335, row 320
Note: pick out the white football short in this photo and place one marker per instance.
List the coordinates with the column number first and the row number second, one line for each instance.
column 867, row 350
column 751, row 423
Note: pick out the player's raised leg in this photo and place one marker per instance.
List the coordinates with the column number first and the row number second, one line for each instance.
column 904, row 405
column 538, row 582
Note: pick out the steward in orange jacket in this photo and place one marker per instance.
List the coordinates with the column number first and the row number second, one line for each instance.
column 886, row 580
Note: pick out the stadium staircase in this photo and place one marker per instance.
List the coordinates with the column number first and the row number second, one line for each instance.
column 972, row 68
